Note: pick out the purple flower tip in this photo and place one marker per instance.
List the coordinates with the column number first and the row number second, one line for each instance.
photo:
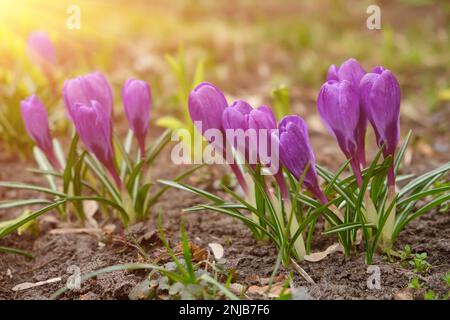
column 82, row 90
column 137, row 102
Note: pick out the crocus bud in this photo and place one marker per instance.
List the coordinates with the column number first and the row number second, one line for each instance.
column 296, row 153
column 350, row 70
column 338, row 105
column 353, row 72
column 40, row 48
column 82, row 90
column 137, row 102
column 235, row 118
column 35, row 118
column 380, row 96
column 262, row 120
column 206, row 106
column 94, row 127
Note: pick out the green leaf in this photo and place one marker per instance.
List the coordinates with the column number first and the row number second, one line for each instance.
column 401, row 224
column 43, row 164
column 124, row 153
column 197, row 191
column 187, row 253
column 214, row 282
column 155, row 197
column 24, row 186
column 423, row 179
column 95, row 167
column 348, row 196
column 11, row 228
column 156, row 147
column 16, row 251
column 170, row 123
column 105, row 201
column 282, row 102
column 8, row 204
column 346, row 227
column 401, row 152
column 234, row 214
column 423, row 194
column 70, row 162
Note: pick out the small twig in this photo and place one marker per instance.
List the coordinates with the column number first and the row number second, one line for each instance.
column 302, row 272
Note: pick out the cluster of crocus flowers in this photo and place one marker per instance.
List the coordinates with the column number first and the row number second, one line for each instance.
column 262, row 143
column 206, row 107
column 347, row 102
column 289, row 139
column 349, row 99
column 89, row 104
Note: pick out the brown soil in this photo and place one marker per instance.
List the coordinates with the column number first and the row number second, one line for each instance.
column 336, row 277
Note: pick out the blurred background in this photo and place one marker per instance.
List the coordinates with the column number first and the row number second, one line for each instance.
column 247, row 48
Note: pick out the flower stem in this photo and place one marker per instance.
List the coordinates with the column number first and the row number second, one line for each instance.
column 240, row 178
column 388, row 228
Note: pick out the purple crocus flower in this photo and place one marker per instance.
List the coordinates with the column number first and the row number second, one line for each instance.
column 137, row 102
column 35, row 118
column 353, row 72
column 263, row 121
column 235, row 119
column 206, row 106
column 350, row 70
column 380, row 96
column 254, row 125
column 94, row 126
column 338, row 105
column 296, row 153
column 40, row 48
column 82, row 90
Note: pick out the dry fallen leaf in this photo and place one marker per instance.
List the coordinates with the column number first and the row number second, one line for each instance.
column 404, row 294
column 28, row 285
column 75, row 230
column 236, row 288
column 274, row 292
column 109, row 228
column 318, row 256
column 217, row 250
column 90, row 207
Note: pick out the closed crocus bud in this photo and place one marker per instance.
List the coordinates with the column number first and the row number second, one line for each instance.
column 206, row 106
column 35, row 118
column 263, row 121
column 380, row 96
column 338, row 105
column 352, row 71
column 137, row 102
column 296, row 153
column 82, row 90
column 94, row 127
column 40, row 48
column 235, row 119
